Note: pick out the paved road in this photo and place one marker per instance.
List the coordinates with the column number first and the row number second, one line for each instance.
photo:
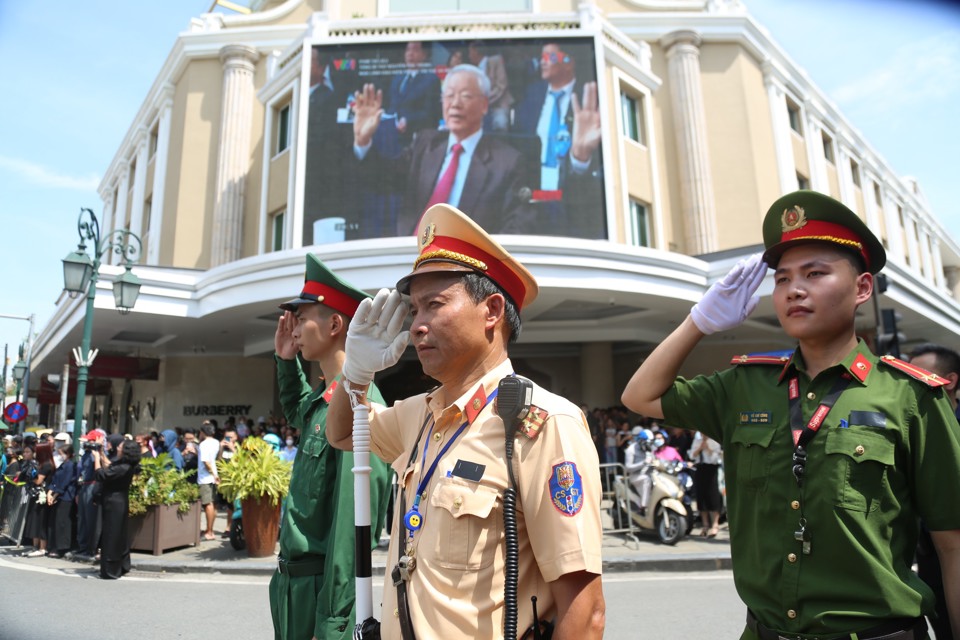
column 63, row 599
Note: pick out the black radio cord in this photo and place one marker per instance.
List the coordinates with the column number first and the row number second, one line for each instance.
column 512, row 561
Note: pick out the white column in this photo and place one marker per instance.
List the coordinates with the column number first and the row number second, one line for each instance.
column 160, row 177
column 690, row 124
column 913, row 239
column 938, row 277
column 894, row 228
column 236, row 118
column 848, row 194
column 140, row 182
column 815, row 158
column 120, row 212
column 870, row 202
column 926, row 251
column 106, row 220
column 780, row 118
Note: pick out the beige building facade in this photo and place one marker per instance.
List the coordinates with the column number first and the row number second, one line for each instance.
column 705, row 121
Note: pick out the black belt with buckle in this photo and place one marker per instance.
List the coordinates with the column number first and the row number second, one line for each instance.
column 896, row 629
column 310, row 565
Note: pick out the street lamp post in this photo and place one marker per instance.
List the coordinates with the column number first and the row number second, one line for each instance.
column 80, row 275
column 19, row 371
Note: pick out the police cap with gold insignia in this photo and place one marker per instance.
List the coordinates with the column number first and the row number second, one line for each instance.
column 448, row 240
column 322, row 285
column 808, row 216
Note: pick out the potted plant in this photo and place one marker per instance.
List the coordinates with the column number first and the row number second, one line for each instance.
column 259, row 479
column 164, row 507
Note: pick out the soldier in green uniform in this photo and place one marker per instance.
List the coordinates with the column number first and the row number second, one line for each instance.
column 312, row 593
column 831, row 454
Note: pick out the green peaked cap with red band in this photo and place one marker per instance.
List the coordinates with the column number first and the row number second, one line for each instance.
column 320, row 285
column 809, row 216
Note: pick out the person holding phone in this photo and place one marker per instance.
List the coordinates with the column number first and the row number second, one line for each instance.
column 115, row 477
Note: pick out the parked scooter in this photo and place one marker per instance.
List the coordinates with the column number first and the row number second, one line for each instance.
column 684, row 474
column 665, row 512
column 237, row 540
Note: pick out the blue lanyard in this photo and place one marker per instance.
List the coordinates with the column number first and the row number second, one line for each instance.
column 412, row 520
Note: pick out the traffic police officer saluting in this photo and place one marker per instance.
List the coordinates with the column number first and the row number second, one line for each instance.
column 448, row 446
column 831, row 455
column 312, row 593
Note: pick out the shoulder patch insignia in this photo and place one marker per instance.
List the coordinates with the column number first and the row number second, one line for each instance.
column 745, row 359
column 328, row 392
column 532, row 424
column 566, row 488
column 926, row 377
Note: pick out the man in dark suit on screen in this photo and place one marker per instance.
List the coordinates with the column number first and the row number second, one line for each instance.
column 571, row 176
column 414, row 96
column 458, row 165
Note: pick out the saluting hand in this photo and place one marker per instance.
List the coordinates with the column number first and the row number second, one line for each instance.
column 283, row 340
column 729, row 301
column 375, row 339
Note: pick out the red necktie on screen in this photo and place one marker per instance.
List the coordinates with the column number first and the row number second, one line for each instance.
column 441, row 192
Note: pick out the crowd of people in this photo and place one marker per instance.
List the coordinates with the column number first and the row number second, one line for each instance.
column 613, row 431
column 77, row 497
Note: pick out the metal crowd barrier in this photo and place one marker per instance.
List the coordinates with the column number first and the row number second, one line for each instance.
column 13, row 510
column 612, row 521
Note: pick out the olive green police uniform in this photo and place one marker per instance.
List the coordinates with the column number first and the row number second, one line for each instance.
column 832, row 554
column 313, row 593
column 875, row 466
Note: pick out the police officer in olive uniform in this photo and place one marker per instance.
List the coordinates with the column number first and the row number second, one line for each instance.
column 831, row 454
column 312, row 593
column 447, row 562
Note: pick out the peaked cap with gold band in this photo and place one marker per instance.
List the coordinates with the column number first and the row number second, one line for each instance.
column 808, row 216
column 322, row 285
column 450, row 241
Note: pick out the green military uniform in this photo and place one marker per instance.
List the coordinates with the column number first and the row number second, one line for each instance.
column 313, row 592
column 832, row 554
column 877, row 464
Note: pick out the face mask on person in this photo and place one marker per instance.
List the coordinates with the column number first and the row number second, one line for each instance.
column 289, row 442
column 57, row 459
column 659, row 442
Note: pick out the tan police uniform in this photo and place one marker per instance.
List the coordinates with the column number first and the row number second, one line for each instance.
column 456, row 588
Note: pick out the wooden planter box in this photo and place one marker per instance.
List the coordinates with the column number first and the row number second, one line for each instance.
column 162, row 527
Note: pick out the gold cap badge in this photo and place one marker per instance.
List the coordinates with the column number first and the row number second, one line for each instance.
column 793, row 218
column 426, row 238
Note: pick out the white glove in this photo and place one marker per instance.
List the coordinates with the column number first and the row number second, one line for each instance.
column 375, row 340
column 729, row 301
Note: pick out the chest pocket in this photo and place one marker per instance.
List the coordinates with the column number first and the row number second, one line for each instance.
column 309, row 480
column 862, row 456
column 751, row 466
column 469, row 524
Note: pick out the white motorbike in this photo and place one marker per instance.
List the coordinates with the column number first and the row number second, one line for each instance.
column 665, row 512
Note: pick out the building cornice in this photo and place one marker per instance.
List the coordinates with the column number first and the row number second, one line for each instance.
column 738, row 27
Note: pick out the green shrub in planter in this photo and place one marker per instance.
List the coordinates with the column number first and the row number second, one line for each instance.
column 255, row 470
column 159, row 482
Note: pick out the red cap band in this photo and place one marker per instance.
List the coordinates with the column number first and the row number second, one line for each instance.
column 828, row 232
column 333, row 298
column 496, row 269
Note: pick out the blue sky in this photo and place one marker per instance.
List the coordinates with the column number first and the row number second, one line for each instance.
column 77, row 72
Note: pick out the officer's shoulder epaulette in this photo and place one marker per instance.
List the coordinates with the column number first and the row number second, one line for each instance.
column 745, row 359
column 917, row 373
column 530, row 426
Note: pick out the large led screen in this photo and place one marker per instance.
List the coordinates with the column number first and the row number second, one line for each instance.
column 509, row 131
